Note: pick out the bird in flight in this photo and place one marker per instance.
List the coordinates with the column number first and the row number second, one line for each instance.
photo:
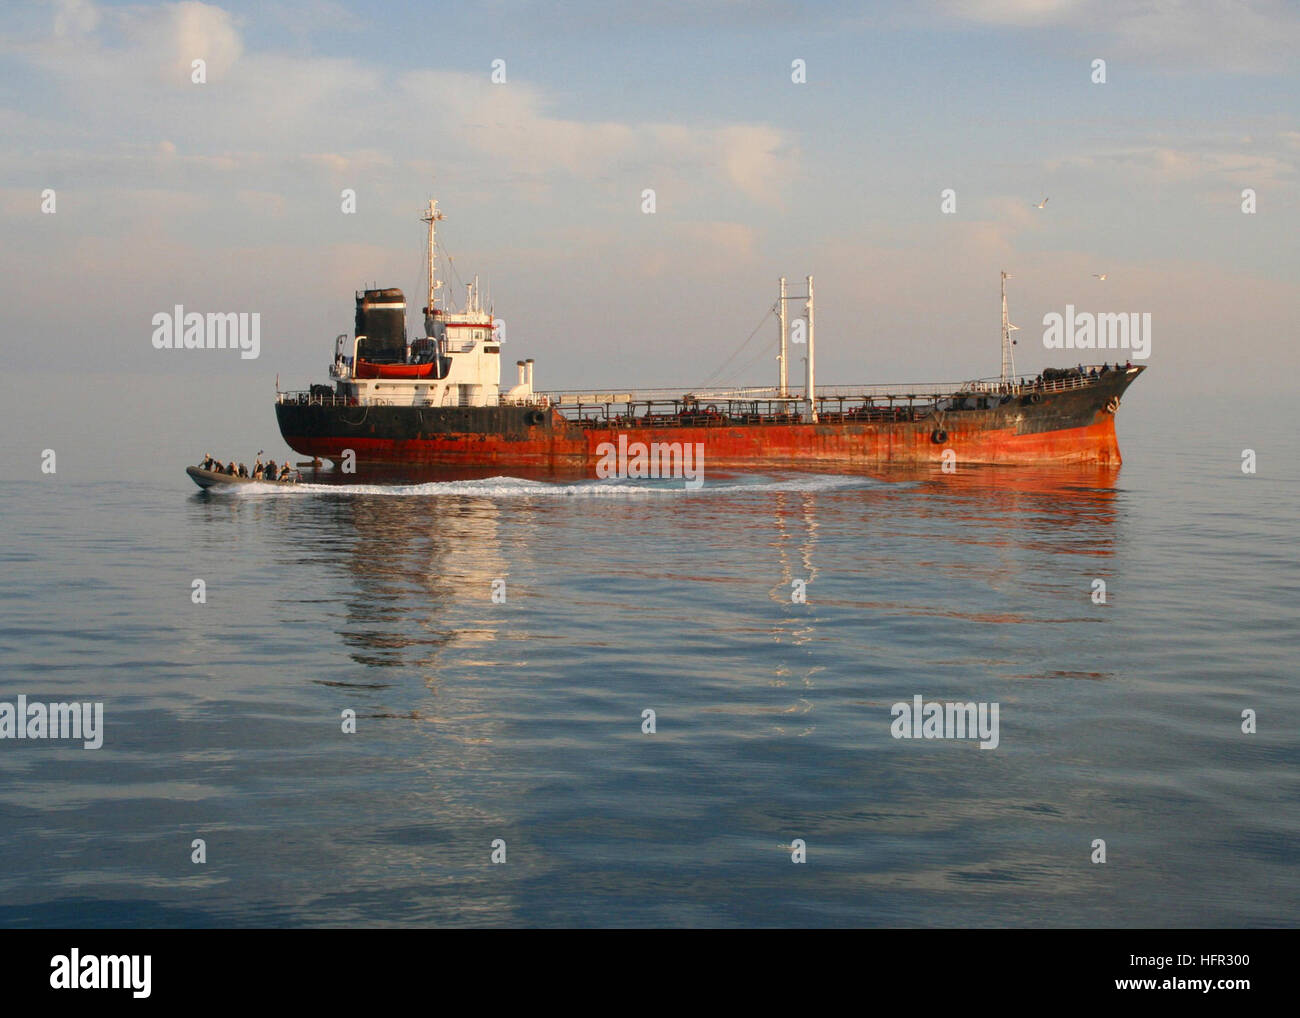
column 1041, row 204
column 1100, row 275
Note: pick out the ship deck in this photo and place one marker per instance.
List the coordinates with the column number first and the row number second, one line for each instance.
column 758, row 405
column 601, row 408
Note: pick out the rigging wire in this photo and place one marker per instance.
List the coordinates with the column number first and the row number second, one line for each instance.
column 423, row 290
column 740, row 372
column 451, row 265
column 740, row 349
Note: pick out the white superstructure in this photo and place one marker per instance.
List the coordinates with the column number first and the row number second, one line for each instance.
column 458, row 363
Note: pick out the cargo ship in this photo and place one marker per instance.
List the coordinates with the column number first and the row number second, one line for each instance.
column 437, row 401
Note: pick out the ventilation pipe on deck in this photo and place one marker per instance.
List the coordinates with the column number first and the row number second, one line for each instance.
column 782, row 379
column 528, row 375
column 519, row 366
column 810, row 382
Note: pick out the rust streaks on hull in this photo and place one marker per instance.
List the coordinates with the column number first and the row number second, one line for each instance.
column 1075, row 427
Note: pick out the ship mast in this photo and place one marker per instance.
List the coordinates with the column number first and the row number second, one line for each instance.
column 1008, row 359
column 431, row 216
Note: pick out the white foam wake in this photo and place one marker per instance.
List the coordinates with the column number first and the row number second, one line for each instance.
column 518, row 487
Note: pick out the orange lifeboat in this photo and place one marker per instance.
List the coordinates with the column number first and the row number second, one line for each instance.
column 366, row 369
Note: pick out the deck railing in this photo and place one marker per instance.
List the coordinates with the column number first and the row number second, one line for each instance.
column 760, row 404
column 308, row 398
column 896, row 391
column 763, row 404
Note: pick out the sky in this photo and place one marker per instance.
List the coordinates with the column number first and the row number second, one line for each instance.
column 226, row 195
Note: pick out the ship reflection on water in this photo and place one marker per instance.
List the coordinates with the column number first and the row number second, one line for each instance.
column 421, row 550
column 521, row 718
column 411, row 568
column 424, row 551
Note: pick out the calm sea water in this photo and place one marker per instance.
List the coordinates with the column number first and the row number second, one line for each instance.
column 523, row 721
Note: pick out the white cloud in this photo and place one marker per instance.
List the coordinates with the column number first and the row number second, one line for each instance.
column 1013, row 12
column 1195, row 35
column 1188, row 161
column 269, row 109
column 512, row 125
column 165, row 40
column 756, row 159
column 75, row 18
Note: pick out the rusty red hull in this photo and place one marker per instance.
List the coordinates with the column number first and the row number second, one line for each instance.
column 776, row 445
column 1069, row 427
